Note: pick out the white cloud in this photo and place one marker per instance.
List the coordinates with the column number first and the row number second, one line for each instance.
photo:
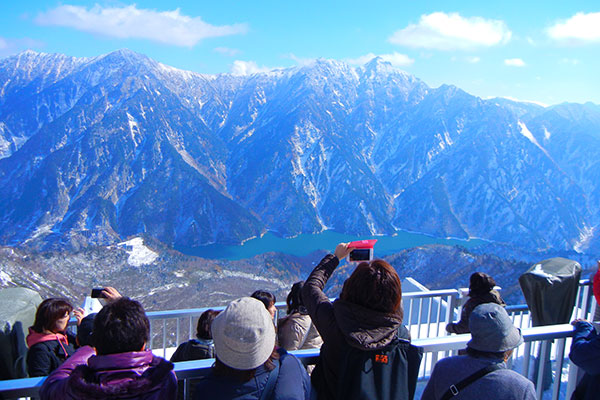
column 580, row 28
column 514, row 62
column 473, row 60
column 227, row 51
column 443, row 31
column 170, row 27
column 247, row 68
column 539, row 103
column 396, row 59
column 299, row 60
column 570, row 61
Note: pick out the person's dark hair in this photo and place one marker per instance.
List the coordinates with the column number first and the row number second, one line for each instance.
column 243, row 375
column 480, row 283
column 267, row 298
column 488, row 354
column 85, row 329
column 48, row 312
column 294, row 299
column 204, row 323
column 374, row 285
column 120, row 327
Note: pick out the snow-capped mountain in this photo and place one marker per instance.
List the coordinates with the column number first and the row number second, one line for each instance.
column 95, row 150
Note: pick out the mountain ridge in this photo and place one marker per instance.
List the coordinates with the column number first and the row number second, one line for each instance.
column 99, row 149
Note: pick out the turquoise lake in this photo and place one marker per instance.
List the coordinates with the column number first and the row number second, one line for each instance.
column 303, row 245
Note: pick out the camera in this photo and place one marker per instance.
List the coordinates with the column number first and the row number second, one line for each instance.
column 97, row 293
column 358, row 255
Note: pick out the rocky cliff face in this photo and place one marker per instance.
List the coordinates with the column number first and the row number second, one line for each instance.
column 95, row 150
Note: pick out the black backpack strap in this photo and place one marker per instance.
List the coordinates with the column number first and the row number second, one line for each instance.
column 270, row 386
column 455, row 389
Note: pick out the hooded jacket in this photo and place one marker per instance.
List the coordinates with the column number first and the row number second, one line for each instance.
column 462, row 326
column 292, row 383
column 47, row 351
column 134, row 375
column 341, row 325
column 194, row 349
column 296, row 331
column 585, row 353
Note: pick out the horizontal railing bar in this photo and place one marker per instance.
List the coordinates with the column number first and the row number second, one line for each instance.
column 431, row 293
column 517, row 308
column 190, row 312
column 26, row 387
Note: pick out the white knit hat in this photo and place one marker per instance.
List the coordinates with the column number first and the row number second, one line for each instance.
column 244, row 334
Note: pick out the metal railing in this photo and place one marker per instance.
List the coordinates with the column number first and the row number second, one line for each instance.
column 547, row 337
column 425, row 315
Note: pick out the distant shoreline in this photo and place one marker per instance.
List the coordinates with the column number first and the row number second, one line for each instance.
column 305, row 244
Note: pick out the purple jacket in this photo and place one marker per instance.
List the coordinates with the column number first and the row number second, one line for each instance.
column 135, row 375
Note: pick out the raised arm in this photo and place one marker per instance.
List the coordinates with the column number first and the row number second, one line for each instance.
column 316, row 302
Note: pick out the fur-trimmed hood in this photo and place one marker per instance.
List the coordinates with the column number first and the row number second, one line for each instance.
column 124, row 376
column 364, row 328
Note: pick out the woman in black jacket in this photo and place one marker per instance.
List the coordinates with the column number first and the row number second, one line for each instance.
column 49, row 343
column 367, row 316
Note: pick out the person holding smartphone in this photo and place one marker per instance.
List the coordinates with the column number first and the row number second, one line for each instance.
column 48, row 340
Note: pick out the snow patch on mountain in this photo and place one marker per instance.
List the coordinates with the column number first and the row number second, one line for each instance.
column 166, row 288
column 586, row 235
column 546, row 134
column 134, row 130
column 254, row 277
column 4, row 144
column 186, row 75
column 5, row 279
column 527, row 133
column 40, row 230
column 139, row 254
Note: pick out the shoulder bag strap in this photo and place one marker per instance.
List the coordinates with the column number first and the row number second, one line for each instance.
column 455, row 389
column 270, row 386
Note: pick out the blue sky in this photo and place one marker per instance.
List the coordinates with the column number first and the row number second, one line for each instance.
column 526, row 50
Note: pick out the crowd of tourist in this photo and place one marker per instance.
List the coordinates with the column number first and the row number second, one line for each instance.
column 365, row 350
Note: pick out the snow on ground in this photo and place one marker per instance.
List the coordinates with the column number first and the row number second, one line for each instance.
column 138, row 253
column 5, row 279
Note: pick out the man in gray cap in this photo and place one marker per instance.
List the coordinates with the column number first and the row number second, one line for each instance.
column 482, row 372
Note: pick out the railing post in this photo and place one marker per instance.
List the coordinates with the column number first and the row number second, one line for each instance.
column 429, row 321
column 559, row 362
column 450, row 308
column 539, row 385
column 164, row 345
column 410, row 313
column 526, row 359
column 575, row 374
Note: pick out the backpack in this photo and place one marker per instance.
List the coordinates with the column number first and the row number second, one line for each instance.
column 389, row 373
